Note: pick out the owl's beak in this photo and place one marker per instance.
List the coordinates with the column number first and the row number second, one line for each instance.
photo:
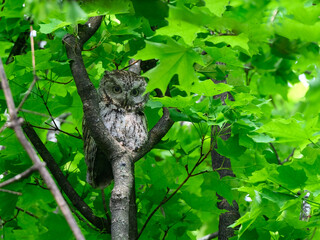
column 125, row 101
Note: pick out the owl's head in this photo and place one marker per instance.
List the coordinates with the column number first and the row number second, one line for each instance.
column 124, row 89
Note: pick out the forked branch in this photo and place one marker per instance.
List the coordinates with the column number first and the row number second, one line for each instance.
column 15, row 124
column 121, row 159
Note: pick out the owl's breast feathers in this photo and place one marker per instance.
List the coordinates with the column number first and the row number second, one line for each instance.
column 129, row 128
column 121, row 109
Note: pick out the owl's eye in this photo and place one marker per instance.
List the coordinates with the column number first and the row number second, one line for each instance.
column 135, row 92
column 117, row 89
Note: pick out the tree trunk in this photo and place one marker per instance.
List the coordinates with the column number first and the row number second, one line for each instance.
column 122, row 202
column 219, row 161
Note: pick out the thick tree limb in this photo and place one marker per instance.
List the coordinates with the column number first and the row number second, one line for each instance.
column 155, row 134
column 121, row 195
column 85, row 88
column 122, row 202
column 15, row 123
column 76, row 200
column 122, row 164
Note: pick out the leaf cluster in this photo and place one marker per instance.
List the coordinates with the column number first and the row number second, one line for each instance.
column 265, row 54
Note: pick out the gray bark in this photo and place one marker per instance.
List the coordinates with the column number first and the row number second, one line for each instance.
column 122, row 202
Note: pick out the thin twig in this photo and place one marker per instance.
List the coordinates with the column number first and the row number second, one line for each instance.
column 275, row 153
column 101, row 223
column 10, row 191
column 22, row 175
column 274, row 14
column 165, row 198
column 131, row 64
column 153, row 212
column 14, row 217
column 16, row 125
column 288, row 158
column 3, row 127
column 165, row 233
column 196, row 174
column 57, row 129
column 63, row 83
column 27, row 212
column 83, row 220
column 35, row 78
column 317, row 145
column 33, row 112
column 43, row 115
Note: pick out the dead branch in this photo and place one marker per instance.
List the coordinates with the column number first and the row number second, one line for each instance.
column 22, row 175
column 100, row 223
column 15, row 123
column 121, row 202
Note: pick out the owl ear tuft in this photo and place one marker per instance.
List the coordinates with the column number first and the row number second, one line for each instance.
column 135, row 66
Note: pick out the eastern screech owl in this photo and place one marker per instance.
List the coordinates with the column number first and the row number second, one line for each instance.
column 121, row 109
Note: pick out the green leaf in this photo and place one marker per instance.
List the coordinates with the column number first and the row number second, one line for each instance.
column 185, row 23
column 7, row 205
column 4, row 46
column 217, row 7
column 261, row 138
column 209, row 88
column 222, row 187
column 42, row 59
column 74, row 13
column 240, row 40
column 174, row 59
column 224, row 55
column 290, row 177
column 54, row 25
column 291, row 131
column 278, row 198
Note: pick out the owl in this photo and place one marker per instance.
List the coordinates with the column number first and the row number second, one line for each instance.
column 121, row 105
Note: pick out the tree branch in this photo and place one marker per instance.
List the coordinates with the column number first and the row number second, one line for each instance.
column 15, row 123
column 155, row 134
column 22, row 175
column 76, row 200
column 166, row 198
column 26, row 212
column 121, row 202
column 85, row 88
column 120, row 158
column 10, row 191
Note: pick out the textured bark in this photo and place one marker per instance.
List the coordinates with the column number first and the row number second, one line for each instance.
column 133, row 227
column 122, row 202
column 121, row 195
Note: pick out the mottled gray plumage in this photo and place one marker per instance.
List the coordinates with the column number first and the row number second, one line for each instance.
column 121, row 108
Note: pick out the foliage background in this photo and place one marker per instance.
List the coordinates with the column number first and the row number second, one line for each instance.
column 268, row 52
